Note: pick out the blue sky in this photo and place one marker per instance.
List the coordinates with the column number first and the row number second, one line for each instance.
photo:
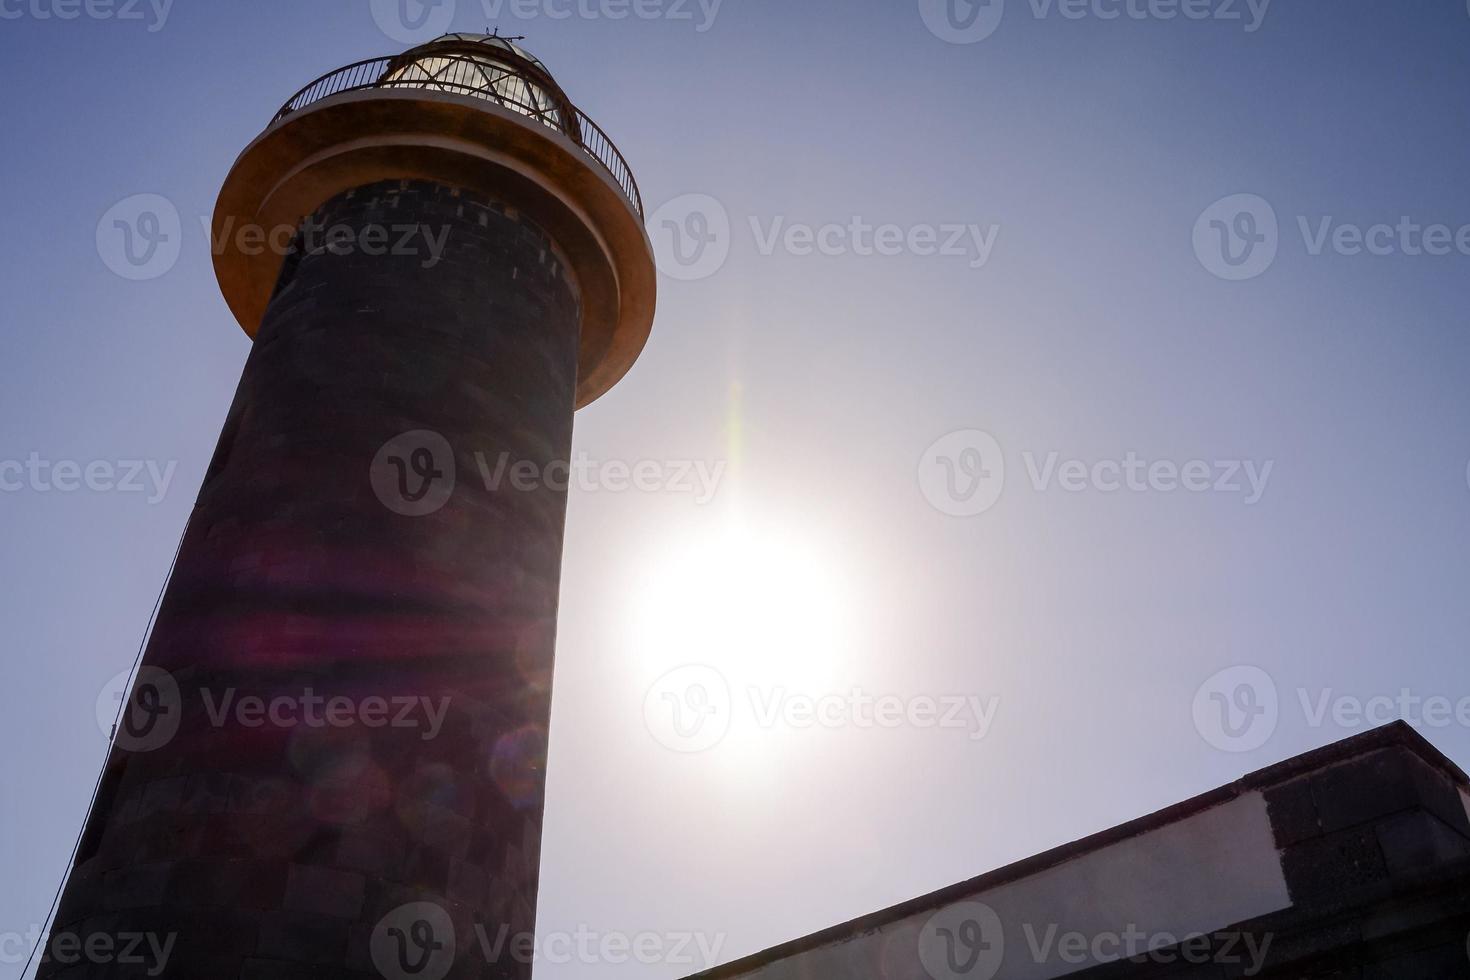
column 1079, row 331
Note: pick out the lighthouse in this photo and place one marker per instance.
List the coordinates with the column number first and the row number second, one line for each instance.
column 332, row 760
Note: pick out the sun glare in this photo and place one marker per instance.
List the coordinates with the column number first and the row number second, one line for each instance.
column 760, row 603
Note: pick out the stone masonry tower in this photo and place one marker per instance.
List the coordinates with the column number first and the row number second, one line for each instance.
column 332, row 762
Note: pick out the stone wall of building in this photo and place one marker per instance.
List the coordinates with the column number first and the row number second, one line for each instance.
column 1349, row 863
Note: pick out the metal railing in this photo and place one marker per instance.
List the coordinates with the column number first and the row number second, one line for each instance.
column 566, row 119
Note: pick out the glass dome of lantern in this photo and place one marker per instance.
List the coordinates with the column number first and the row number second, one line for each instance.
column 486, row 66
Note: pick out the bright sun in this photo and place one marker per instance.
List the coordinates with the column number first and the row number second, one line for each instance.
column 761, row 603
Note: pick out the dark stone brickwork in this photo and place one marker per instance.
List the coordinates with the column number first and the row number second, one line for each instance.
column 1383, row 816
column 331, row 556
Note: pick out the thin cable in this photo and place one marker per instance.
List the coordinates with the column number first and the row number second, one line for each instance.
column 111, row 739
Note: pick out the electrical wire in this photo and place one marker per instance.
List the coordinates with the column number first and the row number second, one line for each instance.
column 111, row 740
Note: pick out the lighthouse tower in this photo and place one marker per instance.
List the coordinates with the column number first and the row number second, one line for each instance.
column 332, row 761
